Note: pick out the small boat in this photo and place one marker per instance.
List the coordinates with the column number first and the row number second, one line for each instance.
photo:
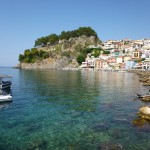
column 5, row 82
column 5, row 98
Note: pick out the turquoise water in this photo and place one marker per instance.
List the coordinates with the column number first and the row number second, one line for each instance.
column 73, row 110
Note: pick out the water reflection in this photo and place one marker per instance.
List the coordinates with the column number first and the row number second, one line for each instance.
column 64, row 88
column 5, row 105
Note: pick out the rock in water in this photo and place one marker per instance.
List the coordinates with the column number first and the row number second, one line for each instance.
column 144, row 112
column 140, row 122
column 146, row 98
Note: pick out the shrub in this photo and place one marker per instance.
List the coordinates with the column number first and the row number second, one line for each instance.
column 81, row 58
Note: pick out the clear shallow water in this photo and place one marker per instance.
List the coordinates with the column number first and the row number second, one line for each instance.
column 72, row 110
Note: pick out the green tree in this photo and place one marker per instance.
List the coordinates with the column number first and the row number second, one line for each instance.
column 96, row 53
column 87, row 31
column 45, row 55
column 41, row 53
column 106, row 52
column 123, row 51
column 53, row 39
column 81, row 58
column 41, row 41
column 44, row 41
column 21, row 57
column 34, row 51
column 87, row 50
column 27, row 53
column 65, row 35
column 27, row 60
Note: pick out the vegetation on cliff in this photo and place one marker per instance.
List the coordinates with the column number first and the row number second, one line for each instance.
column 33, row 55
column 94, row 52
column 53, row 39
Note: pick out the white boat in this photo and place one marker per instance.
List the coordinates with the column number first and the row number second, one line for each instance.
column 5, row 98
column 5, row 82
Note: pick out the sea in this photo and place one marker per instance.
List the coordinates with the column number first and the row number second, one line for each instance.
column 73, row 110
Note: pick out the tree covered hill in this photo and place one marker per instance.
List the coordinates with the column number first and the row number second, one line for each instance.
column 69, row 44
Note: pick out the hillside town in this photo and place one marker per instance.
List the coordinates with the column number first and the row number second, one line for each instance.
column 123, row 54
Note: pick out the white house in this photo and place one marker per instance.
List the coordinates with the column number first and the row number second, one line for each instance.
column 146, row 64
column 108, row 45
column 146, row 44
column 119, row 59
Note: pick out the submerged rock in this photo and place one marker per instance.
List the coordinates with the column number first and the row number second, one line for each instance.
column 144, row 112
column 110, row 146
column 116, row 134
column 139, row 122
column 146, row 98
column 101, row 127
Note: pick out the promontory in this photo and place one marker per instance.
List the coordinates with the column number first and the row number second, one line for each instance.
column 67, row 50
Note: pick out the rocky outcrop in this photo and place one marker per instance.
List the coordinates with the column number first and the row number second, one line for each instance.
column 146, row 98
column 144, row 76
column 50, row 63
column 144, row 112
column 62, row 55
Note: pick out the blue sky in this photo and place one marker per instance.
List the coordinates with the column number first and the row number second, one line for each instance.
column 23, row 21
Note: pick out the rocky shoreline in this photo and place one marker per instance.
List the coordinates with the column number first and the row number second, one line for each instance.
column 144, row 77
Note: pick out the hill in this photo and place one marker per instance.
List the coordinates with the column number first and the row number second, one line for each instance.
column 67, row 50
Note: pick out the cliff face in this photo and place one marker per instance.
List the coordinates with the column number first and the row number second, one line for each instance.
column 50, row 63
column 62, row 55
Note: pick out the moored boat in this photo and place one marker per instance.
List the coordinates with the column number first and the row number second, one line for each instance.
column 5, row 98
column 5, row 82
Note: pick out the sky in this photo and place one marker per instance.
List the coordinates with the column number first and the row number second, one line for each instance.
column 23, row 21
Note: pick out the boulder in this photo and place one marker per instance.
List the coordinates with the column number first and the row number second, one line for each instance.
column 143, row 79
column 144, row 112
column 146, row 83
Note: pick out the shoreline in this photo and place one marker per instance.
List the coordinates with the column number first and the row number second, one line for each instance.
column 137, row 71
